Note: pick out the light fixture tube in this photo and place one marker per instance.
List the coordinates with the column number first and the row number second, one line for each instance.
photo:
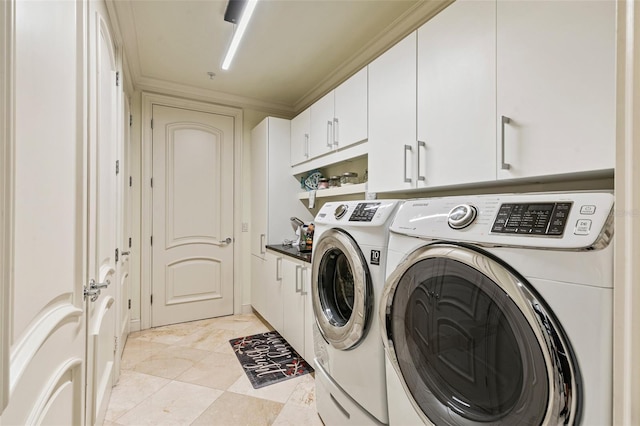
column 239, row 32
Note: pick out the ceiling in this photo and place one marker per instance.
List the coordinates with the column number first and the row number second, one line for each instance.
column 293, row 51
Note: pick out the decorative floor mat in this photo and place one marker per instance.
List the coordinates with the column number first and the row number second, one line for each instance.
column 267, row 358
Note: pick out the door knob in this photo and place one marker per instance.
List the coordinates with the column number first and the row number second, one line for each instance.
column 228, row 240
column 93, row 285
column 125, row 253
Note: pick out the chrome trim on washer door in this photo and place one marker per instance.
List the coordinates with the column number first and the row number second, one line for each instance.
column 563, row 398
column 347, row 333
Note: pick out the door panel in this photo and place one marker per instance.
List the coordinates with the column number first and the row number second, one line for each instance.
column 44, row 317
column 193, row 215
column 124, row 234
column 102, row 312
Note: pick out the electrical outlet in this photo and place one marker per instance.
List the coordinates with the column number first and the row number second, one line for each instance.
column 245, row 227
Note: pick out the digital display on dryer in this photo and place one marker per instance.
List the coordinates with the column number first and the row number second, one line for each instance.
column 364, row 212
column 533, row 219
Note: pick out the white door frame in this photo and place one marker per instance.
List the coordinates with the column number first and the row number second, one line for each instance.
column 148, row 100
column 6, row 193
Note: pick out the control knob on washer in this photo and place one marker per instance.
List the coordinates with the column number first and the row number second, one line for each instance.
column 462, row 216
column 340, row 211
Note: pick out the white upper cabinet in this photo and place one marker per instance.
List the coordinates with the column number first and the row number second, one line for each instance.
column 338, row 119
column 457, row 95
column 321, row 137
column 556, row 87
column 300, row 129
column 350, row 118
column 273, row 189
column 393, row 148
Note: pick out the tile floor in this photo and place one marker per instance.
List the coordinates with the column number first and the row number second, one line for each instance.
column 187, row 374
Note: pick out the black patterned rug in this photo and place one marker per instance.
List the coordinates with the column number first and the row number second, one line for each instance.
column 267, row 358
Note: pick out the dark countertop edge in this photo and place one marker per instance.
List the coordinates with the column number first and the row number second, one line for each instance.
column 290, row 251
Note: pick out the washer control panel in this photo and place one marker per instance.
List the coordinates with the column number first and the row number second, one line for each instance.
column 535, row 218
column 364, row 212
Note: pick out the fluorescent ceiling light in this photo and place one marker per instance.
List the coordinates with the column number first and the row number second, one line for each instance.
column 238, row 33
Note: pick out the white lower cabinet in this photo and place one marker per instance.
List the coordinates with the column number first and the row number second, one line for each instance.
column 258, row 289
column 290, row 296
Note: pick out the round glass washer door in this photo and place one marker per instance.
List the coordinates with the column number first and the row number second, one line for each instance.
column 473, row 344
column 341, row 290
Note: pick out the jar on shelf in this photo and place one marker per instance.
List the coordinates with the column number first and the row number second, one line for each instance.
column 323, row 183
column 349, row 178
column 334, row 182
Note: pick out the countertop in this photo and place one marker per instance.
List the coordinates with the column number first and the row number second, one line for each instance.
column 291, row 251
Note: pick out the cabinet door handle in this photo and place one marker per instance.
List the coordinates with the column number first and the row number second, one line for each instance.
column 421, row 144
column 329, row 133
column 306, row 145
column 504, row 165
column 298, row 279
column 303, row 292
column 406, row 148
column 336, row 130
column 262, row 248
column 279, row 269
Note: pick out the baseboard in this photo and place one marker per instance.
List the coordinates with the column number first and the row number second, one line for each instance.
column 134, row 325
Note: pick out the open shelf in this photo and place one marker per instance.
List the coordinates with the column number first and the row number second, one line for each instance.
column 358, row 188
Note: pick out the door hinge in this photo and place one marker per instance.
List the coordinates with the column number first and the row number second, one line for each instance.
column 129, row 242
column 152, row 182
column 130, row 181
column 152, row 240
column 117, row 166
column 115, row 344
column 117, row 78
column 117, row 256
column 152, row 123
column 152, row 299
column 129, row 303
column 130, row 120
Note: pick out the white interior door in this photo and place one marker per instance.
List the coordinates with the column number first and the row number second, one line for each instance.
column 44, row 318
column 102, row 311
column 124, row 190
column 192, row 242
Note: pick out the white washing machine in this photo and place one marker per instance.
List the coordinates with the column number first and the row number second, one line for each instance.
column 498, row 310
column 348, row 275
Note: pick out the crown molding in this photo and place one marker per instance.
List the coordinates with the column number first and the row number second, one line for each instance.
column 408, row 22
column 196, row 93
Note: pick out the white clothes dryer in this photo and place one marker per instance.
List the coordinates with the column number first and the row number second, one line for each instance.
column 498, row 310
column 348, row 275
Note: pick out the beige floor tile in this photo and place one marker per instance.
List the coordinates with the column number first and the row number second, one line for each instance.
column 293, row 415
column 216, row 370
column 233, row 409
column 304, row 395
column 236, row 322
column 132, row 388
column 175, row 404
column 171, row 362
column 171, row 334
column 208, row 339
column 137, row 350
column 279, row 392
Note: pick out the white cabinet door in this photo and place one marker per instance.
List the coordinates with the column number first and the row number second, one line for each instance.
column 300, row 128
column 259, row 188
column 294, row 303
column 350, row 121
column 457, row 95
column 392, row 118
column 258, row 289
column 321, row 136
column 273, row 288
column 556, row 85
column 309, row 317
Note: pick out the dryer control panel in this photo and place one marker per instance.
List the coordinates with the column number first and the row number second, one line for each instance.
column 532, row 218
